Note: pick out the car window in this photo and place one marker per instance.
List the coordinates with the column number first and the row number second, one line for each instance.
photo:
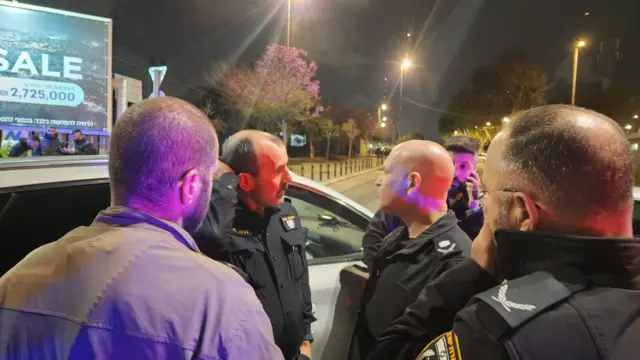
column 32, row 216
column 334, row 230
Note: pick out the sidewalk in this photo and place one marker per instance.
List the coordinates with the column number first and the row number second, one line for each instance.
column 324, row 171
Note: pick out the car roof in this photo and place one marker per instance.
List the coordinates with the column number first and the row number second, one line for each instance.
column 56, row 169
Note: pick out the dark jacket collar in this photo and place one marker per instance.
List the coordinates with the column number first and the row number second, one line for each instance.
column 246, row 219
column 608, row 262
column 441, row 226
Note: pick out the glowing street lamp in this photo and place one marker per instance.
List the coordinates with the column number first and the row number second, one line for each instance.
column 383, row 125
column 384, row 118
column 506, row 120
column 628, row 127
column 576, row 52
column 488, row 123
column 406, row 63
column 384, row 106
column 635, row 116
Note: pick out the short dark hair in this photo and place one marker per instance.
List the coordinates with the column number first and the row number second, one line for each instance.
column 154, row 144
column 35, row 138
column 462, row 144
column 567, row 165
column 77, row 131
column 239, row 152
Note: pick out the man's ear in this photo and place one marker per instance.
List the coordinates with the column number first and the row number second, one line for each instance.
column 246, row 182
column 526, row 214
column 190, row 186
column 413, row 182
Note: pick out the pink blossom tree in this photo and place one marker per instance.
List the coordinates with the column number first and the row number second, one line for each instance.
column 280, row 88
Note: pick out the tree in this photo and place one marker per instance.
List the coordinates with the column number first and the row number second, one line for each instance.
column 316, row 128
column 510, row 83
column 280, row 88
column 350, row 128
column 483, row 135
column 209, row 109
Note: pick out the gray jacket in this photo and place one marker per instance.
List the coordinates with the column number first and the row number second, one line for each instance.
column 130, row 286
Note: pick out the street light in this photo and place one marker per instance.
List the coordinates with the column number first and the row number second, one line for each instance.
column 384, row 107
column 289, row 22
column 384, row 118
column 488, row 123
column 576, row 51
column 383, row 125
column 406, row 63
column 506, row 120
column 635, row 116
column 408, row 34
column 628, row 127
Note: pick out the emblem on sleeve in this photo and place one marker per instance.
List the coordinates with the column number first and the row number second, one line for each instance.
column 446, row 246
column 444, row 347
column 508, row 305
column 289, row 222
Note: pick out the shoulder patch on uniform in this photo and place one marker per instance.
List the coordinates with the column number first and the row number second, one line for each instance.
column 444, row 347
column 289, row 222
column 519, row 300
column 445, row 246
column 240, row 231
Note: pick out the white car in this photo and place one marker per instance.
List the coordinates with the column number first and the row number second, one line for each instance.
column 43, row 199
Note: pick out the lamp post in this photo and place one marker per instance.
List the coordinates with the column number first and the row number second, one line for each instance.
column 405, row 65
column 576, row 52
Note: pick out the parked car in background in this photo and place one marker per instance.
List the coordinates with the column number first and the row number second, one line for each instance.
column 41, row 199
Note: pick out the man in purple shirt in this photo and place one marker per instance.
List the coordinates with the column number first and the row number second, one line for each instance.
column 133, row 285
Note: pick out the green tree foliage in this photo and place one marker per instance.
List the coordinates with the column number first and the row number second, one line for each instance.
column 511, row 83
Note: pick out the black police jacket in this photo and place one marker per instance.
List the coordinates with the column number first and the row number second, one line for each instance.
column 270, row 250
column 382, row 224
column 566, row 298
column 400, row 271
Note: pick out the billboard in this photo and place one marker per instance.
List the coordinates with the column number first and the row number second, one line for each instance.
column 55, row 69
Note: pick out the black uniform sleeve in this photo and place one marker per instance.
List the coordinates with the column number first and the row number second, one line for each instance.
column 433, row 313
column 380, row 226
column 214, row 231
column 475, row 341
column 307, row 313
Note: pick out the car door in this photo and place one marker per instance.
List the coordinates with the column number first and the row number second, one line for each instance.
column 334, row 242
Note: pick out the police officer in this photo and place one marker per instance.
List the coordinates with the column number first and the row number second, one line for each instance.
column 250, row 226
column 462, row 198
column 559, row 208
column 413, row 186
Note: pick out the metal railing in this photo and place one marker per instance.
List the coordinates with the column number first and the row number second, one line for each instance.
column 322, row 171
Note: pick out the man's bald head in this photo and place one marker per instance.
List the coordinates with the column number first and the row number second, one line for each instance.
column 154, row 144
column 422, row 168
column 240, row 150
column 574, row 161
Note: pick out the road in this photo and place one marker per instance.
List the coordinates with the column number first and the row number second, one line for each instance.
column 361, row 188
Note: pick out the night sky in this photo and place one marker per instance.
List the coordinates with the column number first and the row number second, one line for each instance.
column 355, row 42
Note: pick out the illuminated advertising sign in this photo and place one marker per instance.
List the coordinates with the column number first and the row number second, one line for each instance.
column 55, row 69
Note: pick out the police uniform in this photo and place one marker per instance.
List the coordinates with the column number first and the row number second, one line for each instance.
column 400, row 271
column 567, row 298
column 270, row 249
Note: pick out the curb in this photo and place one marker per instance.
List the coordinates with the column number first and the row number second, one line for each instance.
column 346, row 177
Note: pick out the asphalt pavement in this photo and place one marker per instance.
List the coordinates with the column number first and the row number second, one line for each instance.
column 360, row 188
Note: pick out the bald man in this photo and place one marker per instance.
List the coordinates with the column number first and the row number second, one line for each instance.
column 251, row 226
column 413, row 186
column 558, row 229
column 133, row 284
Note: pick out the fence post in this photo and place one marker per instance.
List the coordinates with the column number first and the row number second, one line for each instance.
column 302, row 169
column 328, row 171
column 335, row 170
column 320, row 172
column 351, row 166
column 312, row 172
column 341, row 167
